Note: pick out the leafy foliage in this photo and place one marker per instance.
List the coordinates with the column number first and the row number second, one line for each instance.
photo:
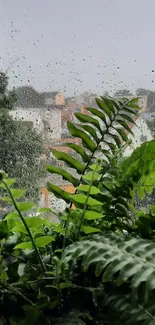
column 20, row 145
column 64, row 273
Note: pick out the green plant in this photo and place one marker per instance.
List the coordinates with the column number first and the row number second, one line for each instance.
column 20, row 146
column 63, row 272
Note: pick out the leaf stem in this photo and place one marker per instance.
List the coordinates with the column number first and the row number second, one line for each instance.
column 26, row 227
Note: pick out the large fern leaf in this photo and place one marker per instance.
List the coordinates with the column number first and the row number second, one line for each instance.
column 117, row 259
column 131, row 313
column 101, row 133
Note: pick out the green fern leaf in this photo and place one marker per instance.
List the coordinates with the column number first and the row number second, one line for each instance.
column 102, row 105
column 122, row 134
column 131, row 313
column 134, row 103
column 116, row 139
column 117, row 257
column 65, row 175
column 127, row 118
column 88, row 119
column 79, row 150
column 125, row 126
column 82, row 199
column 91, row 131
column 59, row 193
column 87, row 141
column 71, row 162
column 111, row 103
column 126, row 109
column 98, row 113
column 111, row 146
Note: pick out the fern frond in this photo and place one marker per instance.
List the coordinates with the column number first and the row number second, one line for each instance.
column 102, row 132
column 117, row 259
column 132, row 313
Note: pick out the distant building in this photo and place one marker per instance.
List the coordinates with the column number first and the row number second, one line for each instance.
column 47, row 122
column 53, row 99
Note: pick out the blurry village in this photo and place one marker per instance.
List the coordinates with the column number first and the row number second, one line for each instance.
column 48, row 113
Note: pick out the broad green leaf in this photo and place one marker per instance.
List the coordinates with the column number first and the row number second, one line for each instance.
column 19, row 228
column 8, row 181
column 122, row 134
column 91, row 176
column 58, row 192
column 79, row 150
column 87, row 188
column 11, row 223
column 81, row 198
column 17, row 193
column 93, row 215
column 32, row 315
column 24, row 245
column 65, row 175
column 33, row 222
column 125, row 126
column 96, row 167
column 102, row 104
column 88, row 230
column 97, row 113
column 44, row 240
column 86, row 140
column 5, row 199
column 141, row 192
column 71, row 162
column 12, row 215
column 25, row 206
column 91, row 131
column 88, row 119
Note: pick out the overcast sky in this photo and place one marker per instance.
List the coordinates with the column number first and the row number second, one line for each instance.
column 78, row 45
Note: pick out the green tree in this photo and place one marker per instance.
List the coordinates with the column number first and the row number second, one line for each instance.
column 28, row 97
column 20, row 145
column 7, row 98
